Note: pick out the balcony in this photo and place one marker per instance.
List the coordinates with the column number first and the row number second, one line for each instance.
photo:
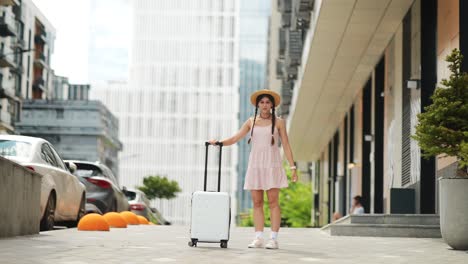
column 7, row 89
column 40, row 38
column 300, row 14
column 17, row 10
column 285, row 20
column 281, row 42
column 9, row 3
column 40, row 60
column 6, row 59
column 7, row 25
column 287, row 92
column 6, row 121
column 284, row 6
column 17, row 41
column 286, row 96
column 39, row 84
column 18, row 70
column 289, row 72
column 302, row 5
column 293, row 51
column 279, row 68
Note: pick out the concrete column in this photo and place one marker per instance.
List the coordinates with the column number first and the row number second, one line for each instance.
column 463, row 17
column 428, row 84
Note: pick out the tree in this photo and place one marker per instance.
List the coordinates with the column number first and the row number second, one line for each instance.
column 443, row 127
column 159, row 187
column 295, row 203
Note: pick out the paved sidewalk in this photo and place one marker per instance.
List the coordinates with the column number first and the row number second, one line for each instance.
column 156, row 244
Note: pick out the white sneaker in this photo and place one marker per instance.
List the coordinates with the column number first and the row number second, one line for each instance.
column 272, row 244
column 256, row 243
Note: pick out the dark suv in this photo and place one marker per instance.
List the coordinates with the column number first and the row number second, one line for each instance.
column 103, row 192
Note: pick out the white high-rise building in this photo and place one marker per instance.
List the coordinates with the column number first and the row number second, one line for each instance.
column 183, row 89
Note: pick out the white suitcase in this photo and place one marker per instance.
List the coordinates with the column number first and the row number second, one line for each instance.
column 211, row 212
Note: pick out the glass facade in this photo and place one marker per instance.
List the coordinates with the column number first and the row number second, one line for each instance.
column 254, row 16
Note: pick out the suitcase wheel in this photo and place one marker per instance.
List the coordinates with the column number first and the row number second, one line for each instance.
column 224, row 244
column 192, row 243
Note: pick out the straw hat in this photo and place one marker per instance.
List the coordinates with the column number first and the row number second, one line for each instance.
column 276, row 96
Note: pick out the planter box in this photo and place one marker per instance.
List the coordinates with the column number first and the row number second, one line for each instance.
column 453, row 197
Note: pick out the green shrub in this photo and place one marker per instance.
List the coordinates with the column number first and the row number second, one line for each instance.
column 443, row 127
column 295, row 203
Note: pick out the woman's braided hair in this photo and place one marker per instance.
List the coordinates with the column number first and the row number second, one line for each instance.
column 273, row 120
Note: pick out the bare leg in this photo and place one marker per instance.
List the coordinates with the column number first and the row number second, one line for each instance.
column 259, row 217
column 273, row 196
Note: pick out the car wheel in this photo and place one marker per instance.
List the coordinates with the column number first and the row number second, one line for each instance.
column 48, row 219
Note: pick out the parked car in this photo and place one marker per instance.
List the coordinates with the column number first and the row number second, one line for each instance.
column 103, row 192
column 62, row 194
column 140, row 205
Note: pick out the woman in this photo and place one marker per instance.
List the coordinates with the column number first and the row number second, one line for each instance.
column 265, row 171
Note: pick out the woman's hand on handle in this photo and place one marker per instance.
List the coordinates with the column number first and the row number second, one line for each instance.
column 212, row 141
column 232, row 140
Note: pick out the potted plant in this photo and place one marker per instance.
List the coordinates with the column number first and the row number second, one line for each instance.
column 443, row 130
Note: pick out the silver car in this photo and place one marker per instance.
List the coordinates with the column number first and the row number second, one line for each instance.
column 103, row 192
column 62, row 194
column 140, row 205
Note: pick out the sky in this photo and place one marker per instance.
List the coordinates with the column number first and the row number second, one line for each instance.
column 92, row 38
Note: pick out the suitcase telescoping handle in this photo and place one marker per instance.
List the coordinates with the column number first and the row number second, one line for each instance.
column 207, row 144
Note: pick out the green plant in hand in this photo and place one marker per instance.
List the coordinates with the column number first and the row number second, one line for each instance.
column 295, row 203
column 443, row 127
column 159, row 187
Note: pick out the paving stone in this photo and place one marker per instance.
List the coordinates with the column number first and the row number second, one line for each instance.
column 168, row 244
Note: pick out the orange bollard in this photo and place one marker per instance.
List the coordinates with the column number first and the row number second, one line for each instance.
column 130, row 218
column 115, row 220
column 93, row 222
column 143, row 220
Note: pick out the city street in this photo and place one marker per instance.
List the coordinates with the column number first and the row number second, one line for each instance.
column 155, row 244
